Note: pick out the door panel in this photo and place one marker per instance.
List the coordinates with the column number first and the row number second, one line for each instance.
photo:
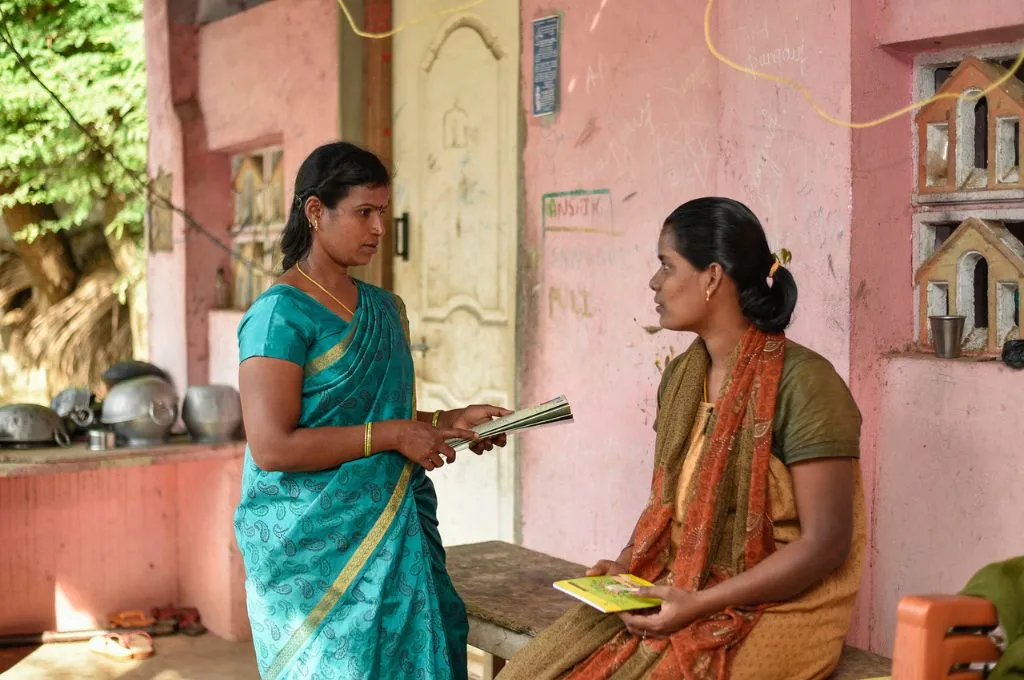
column 456, row 144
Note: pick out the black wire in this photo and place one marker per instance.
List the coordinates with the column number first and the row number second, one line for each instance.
column 135, row 175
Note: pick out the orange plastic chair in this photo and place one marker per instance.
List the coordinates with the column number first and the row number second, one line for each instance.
column 927, row 648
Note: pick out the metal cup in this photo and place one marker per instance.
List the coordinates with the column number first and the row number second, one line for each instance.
column 947, row 334
column 101, row 440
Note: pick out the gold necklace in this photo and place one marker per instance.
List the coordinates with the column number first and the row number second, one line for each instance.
column 326, row 292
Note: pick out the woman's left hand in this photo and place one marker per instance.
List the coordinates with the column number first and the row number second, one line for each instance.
column 469, row 417
column 678, row 609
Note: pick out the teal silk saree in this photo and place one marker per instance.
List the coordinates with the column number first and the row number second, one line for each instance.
column 345, row 573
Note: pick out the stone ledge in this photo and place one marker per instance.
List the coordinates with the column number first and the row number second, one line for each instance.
column 77, row 458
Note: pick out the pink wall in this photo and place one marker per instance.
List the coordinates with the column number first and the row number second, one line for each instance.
column 649, row 117
column 80, row 546
column 788, row 164
column 648, row 114
column 936, row 437
column 182, row 280
column 92, row 543
column 881, row 280
column 644, row 128
column 950, row 474
column 926, row 24
column 166, row 271
column 270, row 75
column 231, row 85
column 209, row 564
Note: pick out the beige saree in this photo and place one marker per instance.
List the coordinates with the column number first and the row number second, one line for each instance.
column 811, row 416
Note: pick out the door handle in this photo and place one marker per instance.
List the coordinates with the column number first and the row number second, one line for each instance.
column 420, row 346
column 402, row 237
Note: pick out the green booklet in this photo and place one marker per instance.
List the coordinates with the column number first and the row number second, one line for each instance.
column 609, row 594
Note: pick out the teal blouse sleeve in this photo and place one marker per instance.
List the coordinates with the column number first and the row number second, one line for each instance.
column 274, row 327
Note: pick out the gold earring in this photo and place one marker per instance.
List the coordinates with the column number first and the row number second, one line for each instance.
column 707, row 296
column 316, row 227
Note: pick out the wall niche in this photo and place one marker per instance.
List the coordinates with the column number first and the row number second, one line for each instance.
column 968, row 144
column 977, row 272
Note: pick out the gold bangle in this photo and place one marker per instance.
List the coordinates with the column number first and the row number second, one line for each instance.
column 436, row 418
column 368, row 440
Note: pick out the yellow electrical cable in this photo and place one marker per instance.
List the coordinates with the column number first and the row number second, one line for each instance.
column 825, row 114
column 412, row 22
column 782, row 80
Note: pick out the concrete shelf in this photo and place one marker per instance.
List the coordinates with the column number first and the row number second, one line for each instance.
column 77, row 458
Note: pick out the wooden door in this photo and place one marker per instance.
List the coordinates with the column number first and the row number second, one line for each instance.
column 456, row 145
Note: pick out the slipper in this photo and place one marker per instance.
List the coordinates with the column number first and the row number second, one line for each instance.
column 164, row 613
column 186, row 619
column 122, row 646
column 133, row 618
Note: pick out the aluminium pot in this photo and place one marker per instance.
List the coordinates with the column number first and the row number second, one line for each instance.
column 141, row 410
column 212, row 413
column 75, row 405
column 31, row 425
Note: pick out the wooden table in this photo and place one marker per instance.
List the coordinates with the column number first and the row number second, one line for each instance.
column 509, row 599
column 508, row 593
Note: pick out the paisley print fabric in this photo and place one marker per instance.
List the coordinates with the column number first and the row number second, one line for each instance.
column 345, row 573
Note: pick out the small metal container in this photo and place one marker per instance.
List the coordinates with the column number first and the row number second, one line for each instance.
column 101, row 440
column 947, row 335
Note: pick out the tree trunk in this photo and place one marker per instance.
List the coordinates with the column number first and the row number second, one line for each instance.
column 47, row 258
column 130, row 259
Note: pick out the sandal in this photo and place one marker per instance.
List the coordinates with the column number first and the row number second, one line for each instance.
column 188, row 621
column 185, row 619
column 134, row 618
column 122, row 646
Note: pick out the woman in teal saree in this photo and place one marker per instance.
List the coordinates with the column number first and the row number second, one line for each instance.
column 337, row 523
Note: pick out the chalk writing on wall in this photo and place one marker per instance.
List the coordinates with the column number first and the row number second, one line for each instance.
column 567, row 258
column 765, row 161
column 581, row 246
column 596, row 75
column 564, row 300
column 777, row 57
column 582, row 211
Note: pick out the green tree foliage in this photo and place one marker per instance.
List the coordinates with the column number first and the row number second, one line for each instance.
column 72, row 284
column 91, row 54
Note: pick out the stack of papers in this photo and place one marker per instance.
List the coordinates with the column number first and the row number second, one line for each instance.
column 549, row 413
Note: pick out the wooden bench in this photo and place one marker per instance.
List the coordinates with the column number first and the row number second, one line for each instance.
column 509, row 598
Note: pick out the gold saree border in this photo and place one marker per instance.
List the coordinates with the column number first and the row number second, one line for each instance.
column 331, row 355
column 404, row 316
column 344, row 579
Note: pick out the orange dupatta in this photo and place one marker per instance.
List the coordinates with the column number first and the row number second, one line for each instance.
column 734, row 465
